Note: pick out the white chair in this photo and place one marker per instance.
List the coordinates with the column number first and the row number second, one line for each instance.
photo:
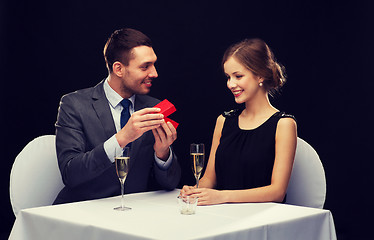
column 307, row 186
column 35, row 179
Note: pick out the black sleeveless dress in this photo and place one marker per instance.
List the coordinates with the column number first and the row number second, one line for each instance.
column 245, row 158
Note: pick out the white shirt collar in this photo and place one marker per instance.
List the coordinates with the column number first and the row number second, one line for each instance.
column 113, row 97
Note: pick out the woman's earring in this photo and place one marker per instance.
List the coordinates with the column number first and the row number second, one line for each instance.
column 260, row 84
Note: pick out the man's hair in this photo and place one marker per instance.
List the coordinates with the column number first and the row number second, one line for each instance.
column 120, row 44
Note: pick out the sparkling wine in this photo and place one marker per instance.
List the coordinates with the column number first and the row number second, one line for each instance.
column 197, row 164
column 122, row 161
column 122, row 167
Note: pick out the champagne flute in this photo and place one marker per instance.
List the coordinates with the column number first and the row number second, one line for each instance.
column 197, row 154
column 122, row 161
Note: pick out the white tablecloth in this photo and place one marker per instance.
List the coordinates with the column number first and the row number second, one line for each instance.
column 155, row 215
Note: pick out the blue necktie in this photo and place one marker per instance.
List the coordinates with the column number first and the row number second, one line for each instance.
column 125, row 114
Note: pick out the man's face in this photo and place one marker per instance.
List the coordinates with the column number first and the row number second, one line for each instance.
column 138, row 75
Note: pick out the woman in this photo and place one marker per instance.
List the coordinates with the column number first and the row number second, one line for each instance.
column 253, row 149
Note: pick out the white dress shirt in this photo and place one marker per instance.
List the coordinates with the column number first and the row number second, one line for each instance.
column 111, row 145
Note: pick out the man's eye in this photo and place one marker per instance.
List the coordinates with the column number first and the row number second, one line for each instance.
column 144, row 67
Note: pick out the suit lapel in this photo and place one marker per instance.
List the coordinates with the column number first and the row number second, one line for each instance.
column 101, row 107
column 140, row 103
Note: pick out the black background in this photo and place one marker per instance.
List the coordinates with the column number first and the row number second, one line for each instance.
column 50, row 48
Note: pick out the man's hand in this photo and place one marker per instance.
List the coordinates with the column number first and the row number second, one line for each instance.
column 164, row 135
column 140, row 122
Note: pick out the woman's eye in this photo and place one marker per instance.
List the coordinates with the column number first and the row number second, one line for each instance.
column 239, row 76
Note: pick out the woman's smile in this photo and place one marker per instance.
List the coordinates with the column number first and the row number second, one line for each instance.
column 237, row 93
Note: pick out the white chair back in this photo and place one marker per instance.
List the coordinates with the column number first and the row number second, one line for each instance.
column 35, row 179
column 307, row 186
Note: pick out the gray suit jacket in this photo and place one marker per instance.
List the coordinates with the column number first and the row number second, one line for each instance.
column 84, row 123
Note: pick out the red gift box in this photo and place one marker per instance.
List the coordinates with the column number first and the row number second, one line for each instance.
column 167, row 108
column 174, row 123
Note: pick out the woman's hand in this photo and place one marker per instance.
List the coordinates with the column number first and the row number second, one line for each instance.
column 207, row 196
column 186, row 190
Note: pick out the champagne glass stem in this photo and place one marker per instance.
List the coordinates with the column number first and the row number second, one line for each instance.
column 122, row 193
column 197, row 183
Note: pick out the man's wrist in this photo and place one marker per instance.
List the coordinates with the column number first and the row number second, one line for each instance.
column 163, row 155
column 122, row 141
column 164, row 164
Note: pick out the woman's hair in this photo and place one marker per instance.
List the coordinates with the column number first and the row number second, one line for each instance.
column 256, row 56
column 120, row 43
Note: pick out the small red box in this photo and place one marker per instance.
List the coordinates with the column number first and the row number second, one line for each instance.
column 174, row 123
column 166, row 107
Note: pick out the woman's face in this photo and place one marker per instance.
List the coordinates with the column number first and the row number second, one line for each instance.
column 241, row 81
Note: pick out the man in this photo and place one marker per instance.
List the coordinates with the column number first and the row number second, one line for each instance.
column 89, row 131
